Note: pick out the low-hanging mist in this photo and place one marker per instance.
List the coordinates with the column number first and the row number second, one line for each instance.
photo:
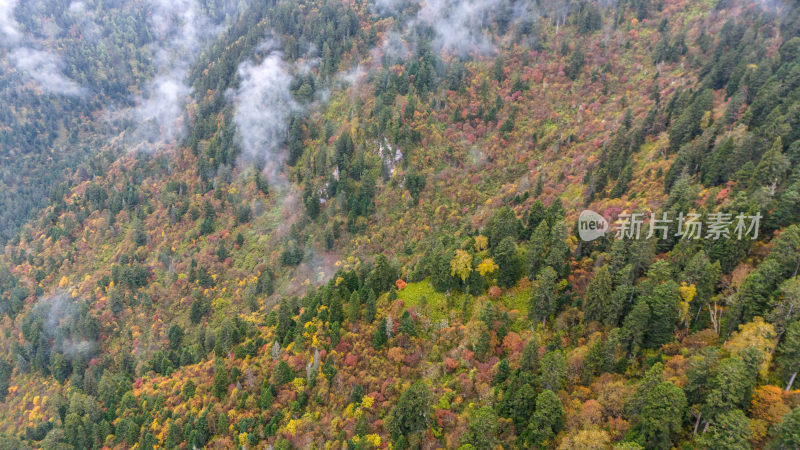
column 180, row 30
column 41, row 66
column 263, row 104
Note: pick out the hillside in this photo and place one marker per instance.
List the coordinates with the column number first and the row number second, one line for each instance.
column 323, row 224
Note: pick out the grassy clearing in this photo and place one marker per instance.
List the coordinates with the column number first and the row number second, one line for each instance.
column 436, row 305
column 423, row 296
column 518, row 299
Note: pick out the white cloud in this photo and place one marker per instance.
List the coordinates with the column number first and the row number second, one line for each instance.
column 180, row 30
column 263, row 106
column 158, row 113
column 460, row 26
column 42, row 66
column 8, row 26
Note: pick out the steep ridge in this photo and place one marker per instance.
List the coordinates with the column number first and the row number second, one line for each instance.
column 368, row 235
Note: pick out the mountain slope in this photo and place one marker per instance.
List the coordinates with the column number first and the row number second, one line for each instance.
column 368, row 235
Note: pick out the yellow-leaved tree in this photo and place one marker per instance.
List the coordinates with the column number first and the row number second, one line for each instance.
column 481, row 243
column 487, row 266
column 687, row 293
column 461, row 265
column 758, row 334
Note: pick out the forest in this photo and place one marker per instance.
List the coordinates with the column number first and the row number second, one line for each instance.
column 319, row 224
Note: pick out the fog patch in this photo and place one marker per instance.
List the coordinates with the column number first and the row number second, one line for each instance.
column 159, row 113
column 459, row 25
column 263, row 104
column 180, row 31
column 40, row 66
column 67, row 323
column 44, row 68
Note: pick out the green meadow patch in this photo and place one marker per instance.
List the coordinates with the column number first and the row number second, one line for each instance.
column 424, row 298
